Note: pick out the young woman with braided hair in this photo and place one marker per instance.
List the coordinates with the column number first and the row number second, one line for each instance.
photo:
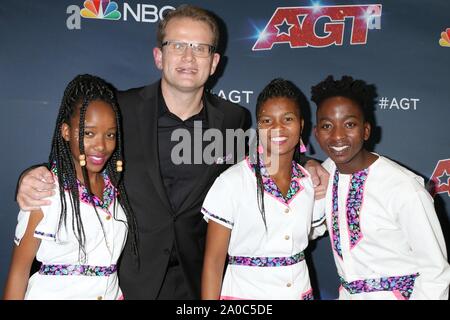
column 79, row 238
column 261, row 210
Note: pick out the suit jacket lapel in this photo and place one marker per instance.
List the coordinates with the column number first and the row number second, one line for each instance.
column 148, row 126
column 215, row 120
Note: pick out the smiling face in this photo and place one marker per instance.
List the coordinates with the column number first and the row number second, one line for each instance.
column 186, row 72
column 341, row 131
column 100, row 130
column 280, row 125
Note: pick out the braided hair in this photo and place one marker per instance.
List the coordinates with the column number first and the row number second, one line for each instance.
column 277, row 88
column 79, row 93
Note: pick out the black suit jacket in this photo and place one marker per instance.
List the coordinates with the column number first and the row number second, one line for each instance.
column 159, row 227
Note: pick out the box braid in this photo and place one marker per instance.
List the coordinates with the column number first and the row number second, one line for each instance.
column 277, row 88
column 80, row 92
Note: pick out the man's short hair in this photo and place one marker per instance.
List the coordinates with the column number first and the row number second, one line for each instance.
column 191, row 12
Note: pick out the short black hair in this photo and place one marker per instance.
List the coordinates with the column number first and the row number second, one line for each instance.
column 355, row 90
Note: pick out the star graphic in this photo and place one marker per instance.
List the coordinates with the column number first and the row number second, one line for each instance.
column 443, row 179
column 284, row 28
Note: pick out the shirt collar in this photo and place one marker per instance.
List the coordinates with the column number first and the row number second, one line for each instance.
column 297, row 173
column 109, row 191
column 164, row 110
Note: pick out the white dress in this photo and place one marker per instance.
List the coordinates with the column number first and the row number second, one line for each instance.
column 264, row 265
column 61, row 275
column 385, row 236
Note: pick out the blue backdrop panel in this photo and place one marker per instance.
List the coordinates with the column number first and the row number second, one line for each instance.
column 402, row 49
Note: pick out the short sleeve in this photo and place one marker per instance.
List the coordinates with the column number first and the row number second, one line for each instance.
column 318, row 212
column 47, row 227
column 219, row 205
column 318, row 225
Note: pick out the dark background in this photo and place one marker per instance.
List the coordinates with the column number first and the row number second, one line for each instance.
column 39, row 55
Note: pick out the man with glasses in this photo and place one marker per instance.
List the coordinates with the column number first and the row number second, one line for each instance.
column 166, row 197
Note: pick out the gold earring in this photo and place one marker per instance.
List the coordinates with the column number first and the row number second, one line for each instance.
column 119, row 166
column 82, row 159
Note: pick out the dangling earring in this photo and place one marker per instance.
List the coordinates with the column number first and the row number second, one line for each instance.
column 119, row 166
column 260, row 149
column 302, row 146
column 82, row 159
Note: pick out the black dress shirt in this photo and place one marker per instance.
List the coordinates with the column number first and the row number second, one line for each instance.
column 180, row 179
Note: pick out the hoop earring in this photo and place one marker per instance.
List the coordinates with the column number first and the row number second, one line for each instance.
column 82, row 159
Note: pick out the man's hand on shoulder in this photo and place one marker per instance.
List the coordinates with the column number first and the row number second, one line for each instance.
column 319, row 177
column 34, row 186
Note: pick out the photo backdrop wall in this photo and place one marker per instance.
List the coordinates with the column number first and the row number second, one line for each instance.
column 401, row 47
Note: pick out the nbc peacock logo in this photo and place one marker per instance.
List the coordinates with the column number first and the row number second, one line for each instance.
column 444, row 41
column 110, row 11
column 100, row 9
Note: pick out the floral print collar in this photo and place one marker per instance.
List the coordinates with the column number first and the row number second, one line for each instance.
column 272, row 189
column 109, row 192
column 353, row 207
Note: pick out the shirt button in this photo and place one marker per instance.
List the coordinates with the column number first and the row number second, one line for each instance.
column 108, row 217
column 288, row 285
column 286, row 210
column 99, row 298
column 286, row 237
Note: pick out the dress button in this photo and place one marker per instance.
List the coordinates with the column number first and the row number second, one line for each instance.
column 286, row 210
column 108, row 217
column 288, row 285
column 99, row 298
column 286, row 237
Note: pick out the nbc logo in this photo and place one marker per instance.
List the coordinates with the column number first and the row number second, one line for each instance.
column 444, row 41
column 100, row 9
column 110, row 10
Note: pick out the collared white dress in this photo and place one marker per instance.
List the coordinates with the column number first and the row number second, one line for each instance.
column 385, row 236
column 61, row 275
column 264, row 265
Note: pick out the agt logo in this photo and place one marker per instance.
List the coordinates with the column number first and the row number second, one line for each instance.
column 444, row 41
column 318, row 26
column 440, row 178
column 235, row 96
column 109, row 10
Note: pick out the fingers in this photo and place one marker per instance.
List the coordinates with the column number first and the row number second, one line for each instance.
column 324, row 176
column 314, row 176
column 312, row 167
column 35, row 186
column 42, row 174
column 320, row 192
column 29, row 204
column 319, row 174
column 38, row 179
